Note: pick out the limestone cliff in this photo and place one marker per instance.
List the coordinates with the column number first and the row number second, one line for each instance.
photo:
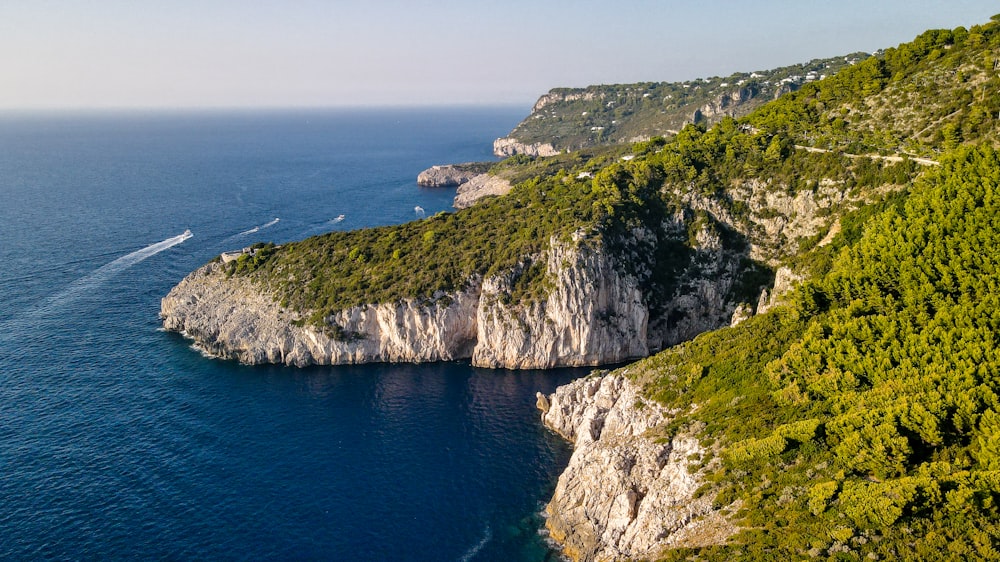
column 233, row 318
column 451, row 175
column 629, row 490
column 593, row 315
column 704, row 296
column 591, row 310
column 479, row 186
column 729, row 104
column 507, row 146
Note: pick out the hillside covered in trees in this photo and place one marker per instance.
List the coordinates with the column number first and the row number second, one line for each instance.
column 861, row 420
column 578, row 118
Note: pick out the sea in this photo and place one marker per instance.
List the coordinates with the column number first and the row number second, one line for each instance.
column 121, row 441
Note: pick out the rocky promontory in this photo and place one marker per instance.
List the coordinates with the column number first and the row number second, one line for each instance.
column 593, row 313
column 629, row 490
column 451, row 175
column 507, row 146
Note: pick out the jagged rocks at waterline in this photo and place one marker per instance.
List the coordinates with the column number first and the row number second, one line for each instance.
column 451, row 175
column 629, row 491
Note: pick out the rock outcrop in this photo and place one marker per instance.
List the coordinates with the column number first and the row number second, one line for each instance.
column 592, row 311
column 703, row 299
column 479, row 186
column 593, row 315
column 629, row 490
column 784, row 281
column 559, row 96
column 729, row 104
column 231, row 317
column 506, row 146
column 451, row 175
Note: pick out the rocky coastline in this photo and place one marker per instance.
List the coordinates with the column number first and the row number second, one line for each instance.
column 451, row 175
column 629, row 490
column 232, row 317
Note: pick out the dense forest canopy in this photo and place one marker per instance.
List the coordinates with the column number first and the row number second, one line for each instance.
column 863, row 418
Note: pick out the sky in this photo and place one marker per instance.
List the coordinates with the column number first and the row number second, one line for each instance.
column 70, row 54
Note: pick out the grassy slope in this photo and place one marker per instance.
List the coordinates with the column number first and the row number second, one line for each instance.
column 922, row 97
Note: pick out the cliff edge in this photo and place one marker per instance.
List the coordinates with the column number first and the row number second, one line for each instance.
column 593, row 314
column 629, row 489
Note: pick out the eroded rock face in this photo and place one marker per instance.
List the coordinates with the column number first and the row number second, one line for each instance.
column 233, row 318
column 784, row 281
column 703, row 300
column 479, row 186
column 626, row 493
column 507, row 146
column 727, row 104
column 592, row 316
column 447, row 176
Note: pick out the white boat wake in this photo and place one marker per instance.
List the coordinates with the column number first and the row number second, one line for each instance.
column 111, row 269
column 257, row 228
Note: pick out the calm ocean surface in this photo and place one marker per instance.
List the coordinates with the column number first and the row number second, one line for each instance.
column 119, row 441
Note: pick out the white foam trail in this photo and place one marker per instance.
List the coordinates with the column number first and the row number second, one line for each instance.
column 257, row 228
column 108, row 270
column 419, row 211
column 336, row 220
column 474, row 550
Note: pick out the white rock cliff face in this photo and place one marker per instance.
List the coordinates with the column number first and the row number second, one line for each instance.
column 446, row 176
column 625, row 494
column 592, row 316
column 232, row 318
column 507, row 146
column 479, row 186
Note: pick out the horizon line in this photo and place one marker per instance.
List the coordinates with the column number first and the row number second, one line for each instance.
column 268, row 107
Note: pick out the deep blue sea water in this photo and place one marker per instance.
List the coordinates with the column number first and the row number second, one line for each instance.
column 119, row 441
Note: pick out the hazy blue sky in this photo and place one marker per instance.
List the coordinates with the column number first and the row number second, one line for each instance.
column 241, row 53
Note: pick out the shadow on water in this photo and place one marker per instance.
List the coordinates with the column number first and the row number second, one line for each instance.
column 420, row 442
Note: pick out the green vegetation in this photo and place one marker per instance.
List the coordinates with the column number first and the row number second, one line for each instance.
column 579, row 118
column 931, row 94
column 427, row 258
column 862, row 421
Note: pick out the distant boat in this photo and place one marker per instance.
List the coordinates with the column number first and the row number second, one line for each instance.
column 187, row 233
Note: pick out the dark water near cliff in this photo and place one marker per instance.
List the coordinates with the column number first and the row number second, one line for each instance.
column 118, row 440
